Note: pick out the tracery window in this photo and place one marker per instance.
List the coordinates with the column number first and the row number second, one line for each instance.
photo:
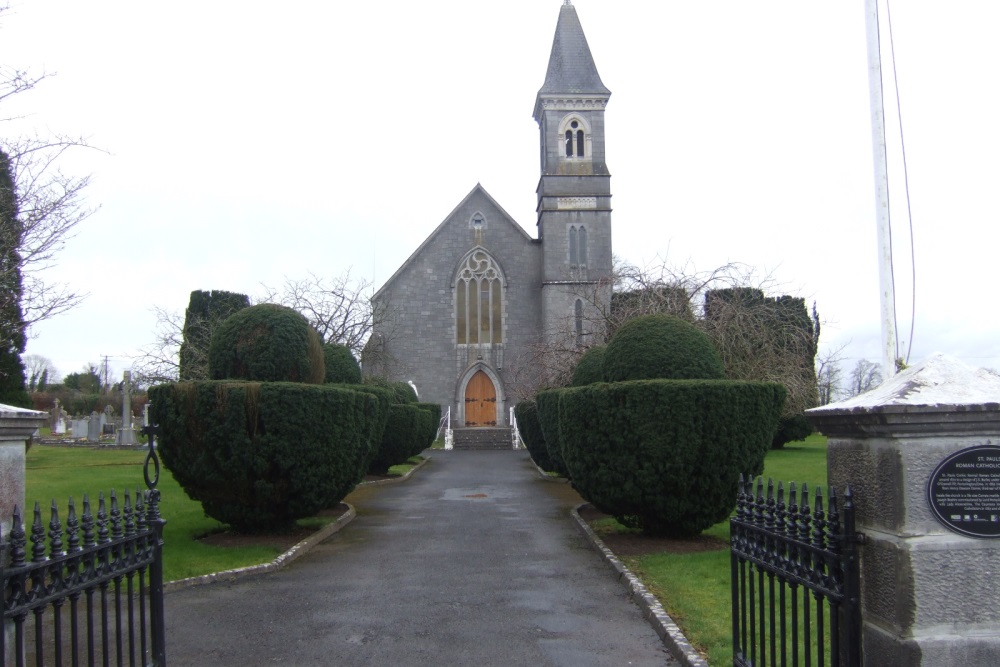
column 479, row 301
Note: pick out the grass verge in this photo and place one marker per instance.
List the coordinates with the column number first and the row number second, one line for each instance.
column 61, row 473
column 694, row 587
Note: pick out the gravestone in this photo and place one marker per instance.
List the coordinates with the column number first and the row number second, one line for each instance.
column 81, row 427
column 920, row 454
column 94, row 427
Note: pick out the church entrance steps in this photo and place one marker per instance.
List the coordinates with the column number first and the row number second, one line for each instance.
column 483, row 438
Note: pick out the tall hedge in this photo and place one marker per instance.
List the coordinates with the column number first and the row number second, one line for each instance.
column 405, row 429
column 266, row 343
column 206, row 310
column 661, row 346
column 665, row 455
column 341, row 366
column 384, row 398
column 548, row 419
column 530, row 427
column 434, row 410
column 258, row 456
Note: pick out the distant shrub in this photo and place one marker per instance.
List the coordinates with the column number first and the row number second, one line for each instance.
column 790, row 429
column 661, row 347
column 665, row 455
column 266, row 343
column 258, row 456
column 590, row 368
column 548, row 418
column 341, row 366
column 528, row 424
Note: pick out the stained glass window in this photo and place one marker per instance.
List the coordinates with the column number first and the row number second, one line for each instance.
column 479, row 301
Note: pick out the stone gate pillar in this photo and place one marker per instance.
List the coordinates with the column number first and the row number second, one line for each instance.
column 931, row 557
column 16, row 427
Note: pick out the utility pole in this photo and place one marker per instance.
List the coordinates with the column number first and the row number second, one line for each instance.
column 887, row 297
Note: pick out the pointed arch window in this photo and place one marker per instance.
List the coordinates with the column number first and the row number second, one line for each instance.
column 577, row 246
column 479, row 301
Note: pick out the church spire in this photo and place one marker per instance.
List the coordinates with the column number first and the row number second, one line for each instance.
column 571, row 66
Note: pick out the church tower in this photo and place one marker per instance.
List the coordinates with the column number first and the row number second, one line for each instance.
column 574, row 192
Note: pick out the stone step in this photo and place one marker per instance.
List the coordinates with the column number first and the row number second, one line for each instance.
column 483, row 438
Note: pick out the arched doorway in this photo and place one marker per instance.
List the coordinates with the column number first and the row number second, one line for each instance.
column 480, row 401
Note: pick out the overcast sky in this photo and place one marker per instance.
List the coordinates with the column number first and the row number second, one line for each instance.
column 249, row 141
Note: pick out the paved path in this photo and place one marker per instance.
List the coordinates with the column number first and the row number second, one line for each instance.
column 474, row 561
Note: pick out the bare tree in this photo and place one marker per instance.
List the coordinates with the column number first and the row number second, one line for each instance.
column 51, row 205
column 865, row 376
column 830, row 375
column 160, row 360
column 337, row 307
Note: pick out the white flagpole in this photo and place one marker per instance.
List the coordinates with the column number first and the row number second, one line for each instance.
column 887, row 296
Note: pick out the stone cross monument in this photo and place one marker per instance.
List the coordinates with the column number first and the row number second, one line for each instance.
column 126, row 434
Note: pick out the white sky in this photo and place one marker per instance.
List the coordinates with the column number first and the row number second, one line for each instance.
column 248, row 141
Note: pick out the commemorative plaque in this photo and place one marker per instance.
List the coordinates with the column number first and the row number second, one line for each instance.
column 964, row 492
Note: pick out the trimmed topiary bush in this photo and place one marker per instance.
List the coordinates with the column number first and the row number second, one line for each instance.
column 530, row 428
column 258, row 456
column 590, row 368
column 665, row 455
column 548, row 418
column 266, row 343
column 341, row 366
column 661, row 347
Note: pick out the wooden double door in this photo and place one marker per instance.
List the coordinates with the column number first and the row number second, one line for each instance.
column 480, row 401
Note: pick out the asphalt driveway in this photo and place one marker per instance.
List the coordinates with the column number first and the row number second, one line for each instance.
column 473, row 561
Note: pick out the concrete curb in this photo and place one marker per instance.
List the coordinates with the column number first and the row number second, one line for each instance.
column 401, row 478
column 546, row 476
column 669, row 632
column 292, row 554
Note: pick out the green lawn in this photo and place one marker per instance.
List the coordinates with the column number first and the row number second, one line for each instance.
column 694, row 588
column 61, row 473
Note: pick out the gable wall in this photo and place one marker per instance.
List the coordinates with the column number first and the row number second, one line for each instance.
column 420, row 337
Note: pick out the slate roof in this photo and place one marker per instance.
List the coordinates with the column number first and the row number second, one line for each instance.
column 571, row 65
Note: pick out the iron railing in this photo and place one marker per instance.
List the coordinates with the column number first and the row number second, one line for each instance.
column 795, row 579
column 89, row 593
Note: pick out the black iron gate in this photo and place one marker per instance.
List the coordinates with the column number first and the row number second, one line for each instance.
column 89, row 593
column 795, row 583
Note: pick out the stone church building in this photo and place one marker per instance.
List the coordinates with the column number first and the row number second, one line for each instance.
column 464, row 316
